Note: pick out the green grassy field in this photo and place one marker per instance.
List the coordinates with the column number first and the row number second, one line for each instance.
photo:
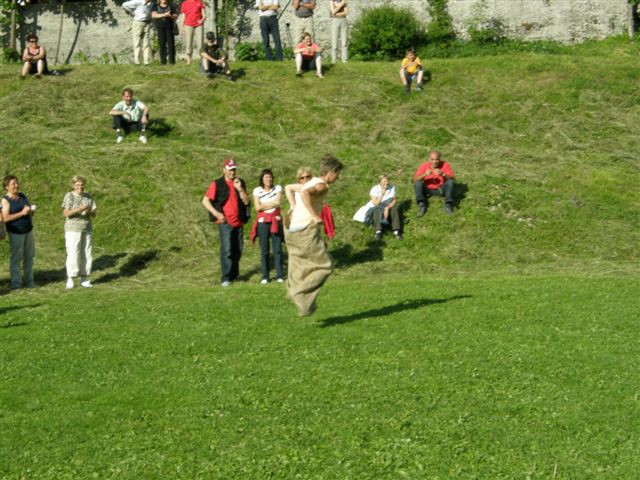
column 501, row 342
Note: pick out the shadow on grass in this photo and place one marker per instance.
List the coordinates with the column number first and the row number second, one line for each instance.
column 131, row 267
column 344, row 255
column 159, row 127
column 388, row 310
column 10, row 323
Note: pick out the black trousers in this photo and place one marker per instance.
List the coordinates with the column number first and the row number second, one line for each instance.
column 166, row 41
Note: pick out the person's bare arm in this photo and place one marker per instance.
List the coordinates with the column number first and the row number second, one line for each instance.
column 305, row 196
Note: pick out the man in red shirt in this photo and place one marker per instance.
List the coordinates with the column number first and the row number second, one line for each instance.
column 194, row 16
column 434, row 177
column 228, row 204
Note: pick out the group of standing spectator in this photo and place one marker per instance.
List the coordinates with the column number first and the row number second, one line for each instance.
column 16, row 213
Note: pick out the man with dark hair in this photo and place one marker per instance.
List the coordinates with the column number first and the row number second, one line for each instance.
column 227, row 202
column 434, row 178
column 214, row 59
column 309, row 262
column 130, row 115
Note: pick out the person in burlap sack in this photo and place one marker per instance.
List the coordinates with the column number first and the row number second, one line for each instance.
column 309, row 262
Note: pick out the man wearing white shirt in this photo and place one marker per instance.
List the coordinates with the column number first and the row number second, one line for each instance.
column 140, row 28
column 268, row 13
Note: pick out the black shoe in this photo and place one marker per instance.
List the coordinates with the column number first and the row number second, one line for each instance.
column 448, row 209
column 422, row 209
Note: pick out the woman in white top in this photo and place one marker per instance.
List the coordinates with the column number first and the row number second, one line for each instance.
column 382, row 209
column 266, row 199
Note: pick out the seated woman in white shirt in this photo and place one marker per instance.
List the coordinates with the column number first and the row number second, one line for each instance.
column 382, row 209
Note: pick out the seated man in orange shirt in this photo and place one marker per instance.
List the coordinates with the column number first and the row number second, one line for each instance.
column 434, row 177
column 411, row 70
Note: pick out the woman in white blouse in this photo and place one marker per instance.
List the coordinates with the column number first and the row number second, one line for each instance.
column 382, row 209
column 268, row 226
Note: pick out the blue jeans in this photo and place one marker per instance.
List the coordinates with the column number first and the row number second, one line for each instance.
column 264, row 234
column 231, row 246
column 269, row 25
column 423, row 193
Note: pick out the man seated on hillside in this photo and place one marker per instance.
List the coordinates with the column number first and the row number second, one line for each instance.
column 308, row 56
column 434, row 178
column 213, row 59
column 130, row 115
column 411, row 71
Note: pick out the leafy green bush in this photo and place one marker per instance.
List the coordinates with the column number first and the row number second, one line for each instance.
column 9, row 55
column 491, row 31
column 440, row 28
column 384, row 33
column 249, row 52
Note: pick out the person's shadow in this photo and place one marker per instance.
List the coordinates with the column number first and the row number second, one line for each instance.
column 131, row 267
column 344, row 255
column 388, row 310
column 10, row 323
column 159, row 127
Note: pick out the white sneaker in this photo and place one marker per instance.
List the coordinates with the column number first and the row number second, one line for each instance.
column 264, row 281
column 70, row 284
column 86, row 283
column 120, row 139
column 279, row 280
column 225, row 284
column 143, row 139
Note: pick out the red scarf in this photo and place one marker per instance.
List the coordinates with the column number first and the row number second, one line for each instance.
column 273, row 218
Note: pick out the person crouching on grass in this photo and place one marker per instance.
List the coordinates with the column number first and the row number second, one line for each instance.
column 308, row 56
column 130, row 115
column 214, row 59
column 309, row 262
column 411, row 71
column 78, row 209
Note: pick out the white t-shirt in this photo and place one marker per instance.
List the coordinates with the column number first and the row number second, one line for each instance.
column 266, row 3
column 389, row 195
column 266, row 197
column 301, row 217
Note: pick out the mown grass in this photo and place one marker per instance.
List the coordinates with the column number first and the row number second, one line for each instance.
column 544, row 145
column 497, row 343
column 406, row 378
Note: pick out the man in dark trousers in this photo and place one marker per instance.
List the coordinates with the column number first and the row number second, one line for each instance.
column 228, row 204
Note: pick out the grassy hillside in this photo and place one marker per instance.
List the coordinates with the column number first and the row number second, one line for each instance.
column 545, row 148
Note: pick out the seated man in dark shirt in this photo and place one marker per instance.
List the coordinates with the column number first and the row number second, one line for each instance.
column 213, row 59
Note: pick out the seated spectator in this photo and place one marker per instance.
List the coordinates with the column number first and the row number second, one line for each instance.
column 130, row 115
column 434, row 178
column 34, row 58
column 308, row 56
column 382, row 209
column 411, row 71
column 214, row 59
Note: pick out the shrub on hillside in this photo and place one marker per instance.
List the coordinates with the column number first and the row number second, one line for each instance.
column 440, row 29
column 490, row 31
column 385, row 33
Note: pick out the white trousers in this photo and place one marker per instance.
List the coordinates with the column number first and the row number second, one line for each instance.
column 79, row 258
column 23, row 249
column 339, row 30
column 141, row 38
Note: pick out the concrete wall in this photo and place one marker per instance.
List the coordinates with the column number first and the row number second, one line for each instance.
column 101, row 31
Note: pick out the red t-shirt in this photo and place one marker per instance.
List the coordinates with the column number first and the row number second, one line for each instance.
column 310, row 56
column 230, row 208
column 192, row 11
column 434, row 181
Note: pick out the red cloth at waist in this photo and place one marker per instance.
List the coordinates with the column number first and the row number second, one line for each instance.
column 273, row 218
column 327, row 220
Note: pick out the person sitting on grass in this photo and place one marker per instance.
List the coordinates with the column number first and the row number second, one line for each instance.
column 308, row 56
column 382, row 209
column 411, row 71
column 34, row 58
column 214, row 60
column 434, row 178
column 130, row 115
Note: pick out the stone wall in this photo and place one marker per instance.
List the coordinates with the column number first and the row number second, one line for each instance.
column 100, row 30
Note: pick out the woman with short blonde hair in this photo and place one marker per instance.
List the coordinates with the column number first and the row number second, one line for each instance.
column 78, row 209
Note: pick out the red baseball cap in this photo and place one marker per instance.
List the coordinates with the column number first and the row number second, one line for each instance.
column 230, row 164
